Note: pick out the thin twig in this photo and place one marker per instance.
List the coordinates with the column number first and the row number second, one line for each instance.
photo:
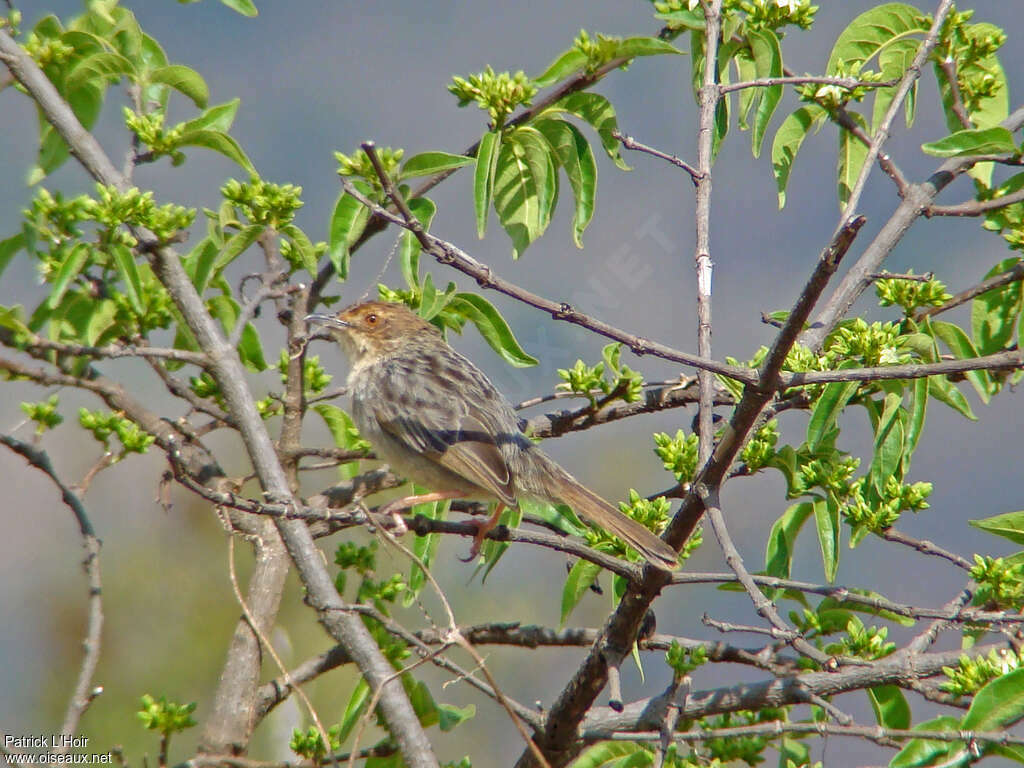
column 84, row 693
column 630, row 143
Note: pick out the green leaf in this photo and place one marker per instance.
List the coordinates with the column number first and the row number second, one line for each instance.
column 998, row 705
column 778, row 556
column 615, row 754
column 8, row 249
column 218, row 141
column 890, row 706
column 894, row 60
column 152, row 56
column 915, row 424
column 646, row 46
column 124, row 260
column 962, row 349
column 424, row 547
column 566, row 64
column 450, row 716
column 867, row 34
column 244, row 7
column 833, row 400
column 347, row 224
column 888, row 444
column 357, row 704
column 433, row 301
column 1009, row 525
column 577, row 160
column 14, row 319
column 581, row 576
column 199, row 263
column 767, row 53
column 492, row 327
column 429, row 163
column 786, row 145
column 69, row 269
column 307, row 253
column 596, row 110
column 184, row 80
column 238, row 243
column 945, row 391
column 826, row 518
column 409, row 250
column 250, row 350
column 98, row 66
column 343, row 432
column 973, row 141
column 483, row 178
column 216, row 118
column 524, row 187
column 994, row 313
column 922, row 752
column 852, row 154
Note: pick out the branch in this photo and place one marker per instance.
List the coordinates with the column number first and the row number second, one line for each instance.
column 645, row 714
column 848, row 83
column 999, row 361
column 378, row 222
column 1012, row 275
column 630, row 143
column 975, row 207
column 230, row 376
column 83, row 694
column 617, row 635
column 452, row 255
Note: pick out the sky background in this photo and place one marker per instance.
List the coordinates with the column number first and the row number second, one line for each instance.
column 315, row 77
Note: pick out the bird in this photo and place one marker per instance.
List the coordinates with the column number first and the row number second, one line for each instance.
column 437, row 420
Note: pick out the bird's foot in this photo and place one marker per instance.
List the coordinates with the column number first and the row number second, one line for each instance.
column 483, row 527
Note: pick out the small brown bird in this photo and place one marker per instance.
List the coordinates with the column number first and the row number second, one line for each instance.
column 437, row 419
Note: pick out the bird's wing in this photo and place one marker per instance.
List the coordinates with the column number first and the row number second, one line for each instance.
column 444, row 430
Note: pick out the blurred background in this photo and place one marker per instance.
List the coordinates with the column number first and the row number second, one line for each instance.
column 316, row 77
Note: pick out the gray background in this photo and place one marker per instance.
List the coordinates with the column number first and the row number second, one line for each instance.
column 316, row 77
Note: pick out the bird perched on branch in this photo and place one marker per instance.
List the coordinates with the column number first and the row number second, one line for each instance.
column 439, row 421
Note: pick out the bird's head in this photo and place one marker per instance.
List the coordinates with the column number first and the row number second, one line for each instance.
column 374, row 328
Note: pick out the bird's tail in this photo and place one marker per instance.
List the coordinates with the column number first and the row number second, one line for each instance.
column 589, row 505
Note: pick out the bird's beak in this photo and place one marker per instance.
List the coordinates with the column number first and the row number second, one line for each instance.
column 328, row 320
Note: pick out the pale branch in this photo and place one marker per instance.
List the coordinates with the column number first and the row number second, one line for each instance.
column 909, row 277
column 764, row 607
column 450, row 254
column 564, row 394
column 629, row 142
column 84, row 693
column 845, row 594
column 1009, row 360
column 580, row 693
column 377, row 223
column 227, row 370
column 180, row 389
column 926, row 547
column 356, row 515
column 646, row 714
column 906, row 83
column 849, row 83
column 956, row 98
column 708, row 98
column 116, row 351
column 925, row 639
column 915, row 200
column 880, row 735
column 975, row 207
column 1012, row 275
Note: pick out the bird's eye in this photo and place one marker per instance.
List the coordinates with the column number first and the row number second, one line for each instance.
column 371, row 319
